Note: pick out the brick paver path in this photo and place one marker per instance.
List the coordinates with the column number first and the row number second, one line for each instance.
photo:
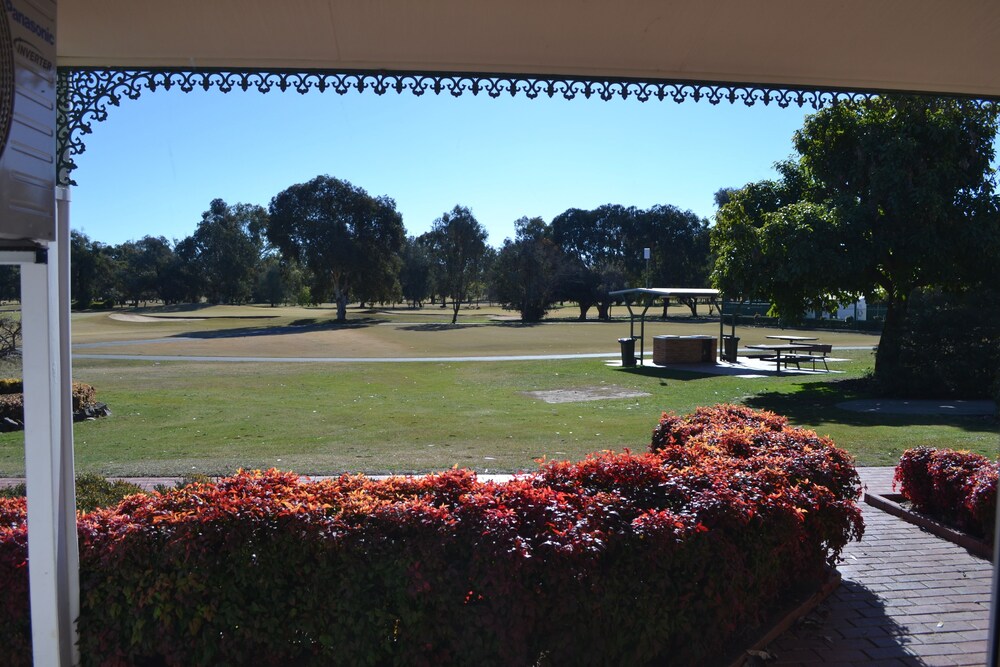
column 907, row 598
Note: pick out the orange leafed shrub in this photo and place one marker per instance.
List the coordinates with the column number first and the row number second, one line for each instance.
column 958, row 487
column 620, row 558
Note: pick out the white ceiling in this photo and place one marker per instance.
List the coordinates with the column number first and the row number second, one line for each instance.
column 948, row 46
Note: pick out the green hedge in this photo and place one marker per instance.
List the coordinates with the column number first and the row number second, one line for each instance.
column 619, row 559
column 950, row 346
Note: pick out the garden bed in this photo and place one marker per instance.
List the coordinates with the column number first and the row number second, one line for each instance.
column 621, row 558
column 85, row 404
column 756, row 641
column 950, row 493
column 897, row 505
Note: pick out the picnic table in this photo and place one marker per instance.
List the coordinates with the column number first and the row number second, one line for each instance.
column 792, row 339
column 775, row 350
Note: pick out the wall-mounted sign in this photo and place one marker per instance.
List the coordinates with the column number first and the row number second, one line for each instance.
column 27, row 119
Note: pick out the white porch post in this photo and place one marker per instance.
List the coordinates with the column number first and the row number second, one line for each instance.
column 53, row 557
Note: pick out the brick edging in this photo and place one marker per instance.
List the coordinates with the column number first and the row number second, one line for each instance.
column 789, row 617
column 889, row 502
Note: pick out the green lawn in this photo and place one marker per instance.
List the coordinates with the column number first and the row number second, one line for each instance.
column 173, row 418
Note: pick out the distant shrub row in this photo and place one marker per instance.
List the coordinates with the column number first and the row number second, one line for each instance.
column 12, row 398
column 958, row 487
column 92, row 491
column 620, row 558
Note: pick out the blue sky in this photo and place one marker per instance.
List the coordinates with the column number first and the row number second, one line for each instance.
column 156, row 163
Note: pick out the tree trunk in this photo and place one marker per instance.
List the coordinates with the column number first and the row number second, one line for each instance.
column 888, row 356
column 584, row 307
column 604, row 310
column 341, row 298
column 456, row 304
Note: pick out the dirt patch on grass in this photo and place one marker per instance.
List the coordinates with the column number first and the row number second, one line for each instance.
column 585, row 394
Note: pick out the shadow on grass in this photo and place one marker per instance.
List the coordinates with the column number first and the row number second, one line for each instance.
column 807, row 400
column 437, row 326
column 816, row 403
column 301, row 326
column 662, row 373
column 448, row 326
column 188, row 308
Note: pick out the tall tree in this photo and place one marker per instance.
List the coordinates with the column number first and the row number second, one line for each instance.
column 279, row 281
column 92, row 270
column 342, row 234
column 609, row 241
column 415, row 274
column 886, row 196
column 229, row 245
column 133, row 282
column 459, row 243
column 181, row 281
column 598, row 240
column 155, row 256
column 679, row 248
column 527, row 270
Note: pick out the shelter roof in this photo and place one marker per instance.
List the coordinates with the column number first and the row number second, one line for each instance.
column 665, row 292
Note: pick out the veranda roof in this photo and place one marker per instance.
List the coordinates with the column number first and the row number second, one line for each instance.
column 903, row 45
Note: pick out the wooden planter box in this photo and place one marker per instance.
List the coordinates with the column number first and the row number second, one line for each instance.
column 684, row 349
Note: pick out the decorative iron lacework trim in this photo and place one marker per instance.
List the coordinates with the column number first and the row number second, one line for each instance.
column 86, row 93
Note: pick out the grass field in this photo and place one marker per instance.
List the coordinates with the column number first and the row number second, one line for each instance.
column 178, row 417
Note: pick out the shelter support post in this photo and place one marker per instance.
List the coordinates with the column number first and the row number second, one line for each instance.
column 722, row 327
column 642, row 326
column 53, row 556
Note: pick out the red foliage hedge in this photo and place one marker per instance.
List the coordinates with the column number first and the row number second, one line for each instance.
column 958, row 487
column 618, row 559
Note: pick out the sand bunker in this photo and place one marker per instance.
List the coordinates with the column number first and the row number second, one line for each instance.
column 585, row 394
column 127, row 317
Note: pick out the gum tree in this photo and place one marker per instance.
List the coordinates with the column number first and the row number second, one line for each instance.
column 885, row 196
column 459, row 244
column 343, row 235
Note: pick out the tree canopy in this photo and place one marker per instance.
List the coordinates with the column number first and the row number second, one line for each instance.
column 459, row 242
column 228, row 244
column 608, row 242
column 884, row 197
column 526, row 275
column 350, row 240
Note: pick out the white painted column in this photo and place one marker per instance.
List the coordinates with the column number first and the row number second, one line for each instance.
column 53, row 556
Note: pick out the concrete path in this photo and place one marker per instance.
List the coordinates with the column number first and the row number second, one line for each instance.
column 907, row 598
column 341, row 360
column 720, row 368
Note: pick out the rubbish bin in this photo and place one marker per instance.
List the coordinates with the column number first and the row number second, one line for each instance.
column 730, row 344
column 628, row 351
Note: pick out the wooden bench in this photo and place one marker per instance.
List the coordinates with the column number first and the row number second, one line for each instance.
column 793, row 358
column 797, row 359
column 817, row 353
